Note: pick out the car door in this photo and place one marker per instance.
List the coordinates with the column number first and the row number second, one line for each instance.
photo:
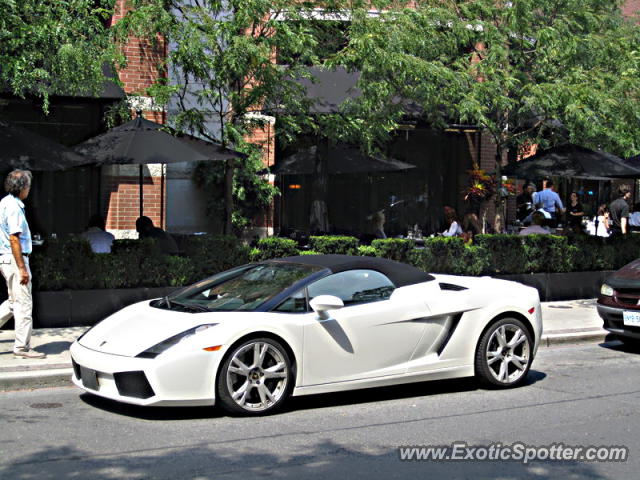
column 369, row 337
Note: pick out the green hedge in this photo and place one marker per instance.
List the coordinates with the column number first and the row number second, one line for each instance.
column 397, row 249
column 328, row 245
column 211, row 254
column 274, row 247
column 451, row 255
column 70, row 264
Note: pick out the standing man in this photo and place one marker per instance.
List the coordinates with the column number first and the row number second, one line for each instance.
column 619, row 211
column 15, row 248
column 551, row 202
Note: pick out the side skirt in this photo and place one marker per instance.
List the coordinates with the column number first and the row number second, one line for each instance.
column 444, row 373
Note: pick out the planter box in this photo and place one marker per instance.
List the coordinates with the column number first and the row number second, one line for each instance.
column 72, row 308
column 562, row 286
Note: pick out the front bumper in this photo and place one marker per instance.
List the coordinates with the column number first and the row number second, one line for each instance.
column 179, row 379
column 612, row 318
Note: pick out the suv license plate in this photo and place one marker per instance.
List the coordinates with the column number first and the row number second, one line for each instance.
column 631, row 319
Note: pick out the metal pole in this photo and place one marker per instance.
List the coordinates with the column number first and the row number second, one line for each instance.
column 141, row 192
column 162, row 225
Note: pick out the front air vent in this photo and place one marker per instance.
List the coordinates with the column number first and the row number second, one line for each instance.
column 133, row 384
column 452, row 287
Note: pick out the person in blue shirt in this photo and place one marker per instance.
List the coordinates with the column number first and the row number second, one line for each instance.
column 15, row 249
column 551, row 203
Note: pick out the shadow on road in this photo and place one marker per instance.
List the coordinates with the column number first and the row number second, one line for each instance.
column 150, row 413
column 317, row 459
column 353, row 397
column 612, row 343
column 396, row 392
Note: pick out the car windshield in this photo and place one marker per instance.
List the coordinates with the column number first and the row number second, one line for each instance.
column 241, row 289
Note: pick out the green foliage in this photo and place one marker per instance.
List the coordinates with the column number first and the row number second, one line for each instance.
column 226, row 78
column 64, row 264
column 394, row 248
column 212, row 254
column 276, row 247
column 626, row 249
column 550, row 71
column 70, row 264
column 255, row 255
column 252, row 194
column 505, row 253
column 451, row 255
column 548, row 253
column 597, row 253
column 334, row 245
column 367, row 251
column 55, row 47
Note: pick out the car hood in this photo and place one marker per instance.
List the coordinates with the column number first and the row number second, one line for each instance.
column 138, row 327
column 627, row 277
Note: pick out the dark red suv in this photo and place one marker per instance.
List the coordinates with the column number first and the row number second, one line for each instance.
column 619, row 303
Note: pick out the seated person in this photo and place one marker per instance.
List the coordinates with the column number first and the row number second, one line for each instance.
column 538, row 208
column 99, row 240
column 146, row 229
column 536, row 228
column 453, row 225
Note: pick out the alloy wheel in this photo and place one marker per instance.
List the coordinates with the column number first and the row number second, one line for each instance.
column 257, row 376
column 507, row 353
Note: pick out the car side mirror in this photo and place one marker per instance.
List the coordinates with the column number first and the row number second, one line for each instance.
column 324, row 303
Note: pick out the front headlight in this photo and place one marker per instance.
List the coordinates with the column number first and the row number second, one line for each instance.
column 157, row 349
column 606, row 290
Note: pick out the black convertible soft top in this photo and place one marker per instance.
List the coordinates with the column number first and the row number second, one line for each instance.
column 400, row 274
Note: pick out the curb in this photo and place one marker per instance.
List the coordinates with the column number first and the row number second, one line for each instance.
column 590, row 336
column 31, row 380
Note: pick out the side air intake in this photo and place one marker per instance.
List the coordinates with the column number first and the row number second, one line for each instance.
column 452, row 287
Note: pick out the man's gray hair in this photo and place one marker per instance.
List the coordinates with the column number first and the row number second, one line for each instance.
column 17, row 181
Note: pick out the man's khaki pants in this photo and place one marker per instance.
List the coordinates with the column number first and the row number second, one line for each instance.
column 19, row 304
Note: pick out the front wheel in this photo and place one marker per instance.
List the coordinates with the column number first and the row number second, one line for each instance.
column 255, row 378
column 504, row 354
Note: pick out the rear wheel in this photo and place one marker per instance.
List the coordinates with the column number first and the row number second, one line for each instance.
column 504, row 354
column 255, row 378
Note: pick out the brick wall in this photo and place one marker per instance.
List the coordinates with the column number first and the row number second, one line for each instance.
column 631, row 7
column 264, row 137
column 121, row 185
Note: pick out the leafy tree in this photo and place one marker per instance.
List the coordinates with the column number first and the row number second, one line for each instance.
column 527, row 71
column 223, row 71
column 50, row 47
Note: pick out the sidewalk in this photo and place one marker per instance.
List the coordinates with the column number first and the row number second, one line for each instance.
column 573, row 321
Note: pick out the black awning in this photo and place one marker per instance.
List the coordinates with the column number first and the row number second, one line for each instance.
column 341, row 159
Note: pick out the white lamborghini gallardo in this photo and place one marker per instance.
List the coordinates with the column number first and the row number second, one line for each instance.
column 248, row 338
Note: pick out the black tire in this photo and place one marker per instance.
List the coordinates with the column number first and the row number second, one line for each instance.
column 254, row 401
column 489, row 371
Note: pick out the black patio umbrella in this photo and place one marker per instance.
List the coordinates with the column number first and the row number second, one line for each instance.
column 341, row 159
column 138, row 142
column 24, row 149
column 142, row 141
column 572, row 161
column 212, row 150
column 633, row 161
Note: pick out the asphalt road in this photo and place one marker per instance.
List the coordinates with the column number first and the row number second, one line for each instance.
column 577, row 395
